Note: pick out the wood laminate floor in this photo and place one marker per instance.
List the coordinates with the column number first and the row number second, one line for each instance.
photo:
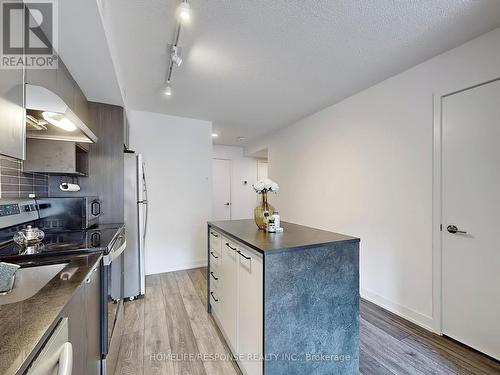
column 172, row 321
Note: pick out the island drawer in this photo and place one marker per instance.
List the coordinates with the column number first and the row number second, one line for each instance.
column 214, row 275
column 215, row 258
column 215, row 240
column 215, row 300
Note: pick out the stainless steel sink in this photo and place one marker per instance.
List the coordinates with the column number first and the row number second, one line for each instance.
column 29, row 281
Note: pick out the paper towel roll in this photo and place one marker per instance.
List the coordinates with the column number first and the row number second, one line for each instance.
column 69, row 187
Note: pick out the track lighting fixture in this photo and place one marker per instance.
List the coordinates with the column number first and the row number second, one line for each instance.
column 183, row 14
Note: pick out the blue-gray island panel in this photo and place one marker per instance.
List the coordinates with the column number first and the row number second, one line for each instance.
column 311, row 310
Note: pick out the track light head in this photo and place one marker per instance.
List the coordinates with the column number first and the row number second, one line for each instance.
column 177, row 60
column 184, row 12
column 168, row 90
column 175, row 55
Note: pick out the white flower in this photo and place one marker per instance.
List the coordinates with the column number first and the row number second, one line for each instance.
column 267, row 183
column 259, row 186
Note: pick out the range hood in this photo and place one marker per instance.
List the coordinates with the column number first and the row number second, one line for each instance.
column 49, row 117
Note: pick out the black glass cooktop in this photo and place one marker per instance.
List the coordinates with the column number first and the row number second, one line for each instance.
column 58, row 242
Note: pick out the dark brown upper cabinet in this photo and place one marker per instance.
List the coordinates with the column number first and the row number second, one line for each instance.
column 56, row 157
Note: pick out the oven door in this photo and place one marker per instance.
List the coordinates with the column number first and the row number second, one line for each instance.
column 112, row 303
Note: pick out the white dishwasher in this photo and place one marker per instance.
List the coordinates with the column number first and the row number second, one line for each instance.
column 56, row 356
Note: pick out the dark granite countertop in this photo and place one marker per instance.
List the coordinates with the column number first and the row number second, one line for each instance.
column 25, row 325
column 294, row 236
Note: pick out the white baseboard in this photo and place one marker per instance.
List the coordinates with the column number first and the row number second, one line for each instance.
column 413, row 316
column 180, row 267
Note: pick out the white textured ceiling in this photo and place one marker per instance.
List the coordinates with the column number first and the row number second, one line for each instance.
column 252, row 66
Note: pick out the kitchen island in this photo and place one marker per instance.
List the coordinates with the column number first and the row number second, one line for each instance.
column 286, row 303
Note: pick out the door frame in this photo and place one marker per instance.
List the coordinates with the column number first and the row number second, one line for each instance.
column 230, row 185
column 437, row 204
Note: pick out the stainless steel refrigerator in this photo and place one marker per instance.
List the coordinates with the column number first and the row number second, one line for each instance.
column 136, row 222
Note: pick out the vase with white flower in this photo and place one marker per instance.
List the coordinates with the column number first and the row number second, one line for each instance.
column 264, row 210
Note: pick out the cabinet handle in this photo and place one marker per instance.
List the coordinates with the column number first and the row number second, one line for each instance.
column 216, row 257
column 215, row 278
column 215, row 299
column 214, row 234
column 243, row 255
column 232, row 248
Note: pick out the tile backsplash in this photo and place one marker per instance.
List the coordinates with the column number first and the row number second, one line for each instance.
column 14, row 183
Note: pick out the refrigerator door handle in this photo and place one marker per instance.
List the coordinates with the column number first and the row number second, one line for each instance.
column 145, row 201
column 141, row 207
column 144, row 183
column 146, row 216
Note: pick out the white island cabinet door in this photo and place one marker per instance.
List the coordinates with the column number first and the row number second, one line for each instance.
column 229, row 292
column 250, row 310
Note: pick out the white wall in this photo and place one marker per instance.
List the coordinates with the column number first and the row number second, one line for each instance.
column 364, row 167
column 243, row 197
column 177, row 152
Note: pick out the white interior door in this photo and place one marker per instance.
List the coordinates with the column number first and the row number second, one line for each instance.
column 221, row 173
column 262, row 169
column 471, row 203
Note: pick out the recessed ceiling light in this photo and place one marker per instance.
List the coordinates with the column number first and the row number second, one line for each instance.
column 241, row 138
column 59, row 120
column 215, row 135
column 168, row 90
column 184, row 12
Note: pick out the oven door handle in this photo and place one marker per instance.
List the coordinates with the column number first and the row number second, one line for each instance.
column 95, row 208
column 113, row 254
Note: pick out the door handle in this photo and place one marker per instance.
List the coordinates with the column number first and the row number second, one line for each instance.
column 227, row 204
column 213, row 254
column 61, row 359
column 95, row 208
column 215, row 299
column 66, row 359
column 215, row 277
column 232, row 248
column 454, row 230
column 243, row 255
